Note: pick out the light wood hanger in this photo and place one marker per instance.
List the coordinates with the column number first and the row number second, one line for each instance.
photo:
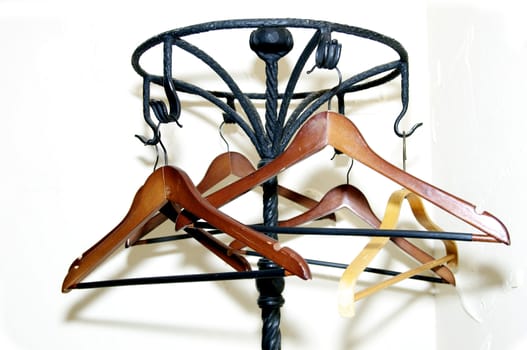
column 221, row 167
column 346, row 290
column 333, row 129
column 170, row 184
column 350, row 197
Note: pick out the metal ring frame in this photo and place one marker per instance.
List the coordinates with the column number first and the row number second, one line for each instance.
column 272, row 138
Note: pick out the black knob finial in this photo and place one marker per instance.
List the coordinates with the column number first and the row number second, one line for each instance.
column 271, row 43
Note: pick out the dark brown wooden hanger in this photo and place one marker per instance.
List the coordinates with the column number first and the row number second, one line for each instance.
column 351, row 198
column 342, row 196
column 333, row 129
column 172, row 185
column 221, row 167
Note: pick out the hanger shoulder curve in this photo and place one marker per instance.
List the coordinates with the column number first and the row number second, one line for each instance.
column 338, row 197
column 224, row 165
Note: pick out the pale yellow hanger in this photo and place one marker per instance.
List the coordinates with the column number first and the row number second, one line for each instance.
column 346, row 290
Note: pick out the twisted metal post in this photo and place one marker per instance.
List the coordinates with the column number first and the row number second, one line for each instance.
column 271, row 44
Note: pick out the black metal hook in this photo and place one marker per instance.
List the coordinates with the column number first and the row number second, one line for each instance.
column 328, row 52
column 160, row 111
column 404, row 134
column 403, row 68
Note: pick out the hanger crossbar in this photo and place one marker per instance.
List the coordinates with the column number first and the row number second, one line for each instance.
column 203, row 277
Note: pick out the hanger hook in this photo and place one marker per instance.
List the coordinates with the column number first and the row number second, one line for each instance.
column 165, row 155
column 349, row 171
column 336, row 153
column 404, row 150
column 220, row 129
column 339, row 74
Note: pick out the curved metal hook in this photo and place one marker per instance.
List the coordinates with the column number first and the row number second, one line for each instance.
column 404, row 134
column 404, row 98
column 161, row 113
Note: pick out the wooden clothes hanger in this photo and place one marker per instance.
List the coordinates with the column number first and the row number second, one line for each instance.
column 172, row 185
column 333, row 129
column 351, row 198
column 221, row 167
column 234, row 163
column 346, row 290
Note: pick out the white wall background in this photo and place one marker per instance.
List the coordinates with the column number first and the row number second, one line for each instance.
column 70, row 107
column 477, row 55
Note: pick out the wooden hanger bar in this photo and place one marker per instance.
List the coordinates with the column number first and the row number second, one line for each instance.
column 220, row 249
column 404, row 275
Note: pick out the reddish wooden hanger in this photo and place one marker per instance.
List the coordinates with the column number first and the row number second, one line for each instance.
column 172, row 185
column 234, row 163
column 333, row 129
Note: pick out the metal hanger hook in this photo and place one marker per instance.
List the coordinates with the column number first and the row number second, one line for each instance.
column 165, row 155
column 339, row 74
column 349, row 171
column 404, row 151
column 220, row 130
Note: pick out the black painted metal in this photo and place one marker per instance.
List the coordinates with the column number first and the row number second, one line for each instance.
column 202, row 277
column 271, row 40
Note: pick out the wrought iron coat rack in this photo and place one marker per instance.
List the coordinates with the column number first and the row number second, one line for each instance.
column 271, row 40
